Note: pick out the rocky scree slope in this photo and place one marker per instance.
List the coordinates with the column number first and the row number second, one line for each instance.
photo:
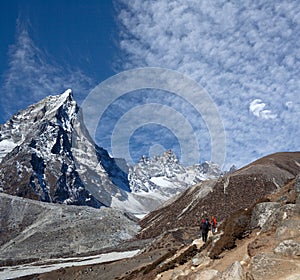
column 224, row 196
column 32, row 230
column 261, row 242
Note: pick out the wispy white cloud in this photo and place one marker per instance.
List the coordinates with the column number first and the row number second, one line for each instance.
column 33, row 74
column 238, row 51
column 257, row 108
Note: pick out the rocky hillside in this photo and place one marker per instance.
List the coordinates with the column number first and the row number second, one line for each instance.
column 224, row 196
column 261, row 242
column 32, row 230
column 257, row 243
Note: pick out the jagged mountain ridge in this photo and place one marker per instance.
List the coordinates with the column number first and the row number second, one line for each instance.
column 165, row 175
column 47, row 154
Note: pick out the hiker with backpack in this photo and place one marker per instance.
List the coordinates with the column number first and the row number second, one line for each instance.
column 213, row 224
column 205, row 227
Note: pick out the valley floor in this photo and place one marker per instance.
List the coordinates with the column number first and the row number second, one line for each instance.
column 55, row 264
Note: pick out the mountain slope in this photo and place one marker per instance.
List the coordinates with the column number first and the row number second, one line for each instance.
column 260, row 242
column 222, row 197
column 35, row 230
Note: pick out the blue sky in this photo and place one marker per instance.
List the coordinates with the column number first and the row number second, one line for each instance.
column 245, row 54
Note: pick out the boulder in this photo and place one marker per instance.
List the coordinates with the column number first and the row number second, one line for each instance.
column 177, row 273
column 233, row 272
column 283, row 213
column 288, row 248
column 209, row 274
column 262, row 212
column 200, row 261
column 269, row 266
column 288, row 229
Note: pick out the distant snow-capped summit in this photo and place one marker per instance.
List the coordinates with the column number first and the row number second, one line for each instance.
column 165, row 176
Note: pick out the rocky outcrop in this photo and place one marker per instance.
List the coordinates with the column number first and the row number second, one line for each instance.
column 288, row 248
column 283, row 230
column 268, row 249
column 233, row 272
column 261, row 212
column 297, row 188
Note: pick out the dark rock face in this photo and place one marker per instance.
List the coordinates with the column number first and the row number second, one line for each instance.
column 223, row 197
column 112, row 166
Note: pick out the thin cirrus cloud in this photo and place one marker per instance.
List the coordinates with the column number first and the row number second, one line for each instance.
column 244, row 53
column 33, row 75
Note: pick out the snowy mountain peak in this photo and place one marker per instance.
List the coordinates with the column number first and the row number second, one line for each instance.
column 58, row 109
column 165, row 176
column 63, row 103
column 47, row 154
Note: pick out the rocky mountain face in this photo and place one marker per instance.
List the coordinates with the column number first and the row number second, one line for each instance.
column 155, row 180
column 47, row 154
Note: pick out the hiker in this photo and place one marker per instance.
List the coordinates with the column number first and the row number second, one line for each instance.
column 213, row 224
column 205, row 226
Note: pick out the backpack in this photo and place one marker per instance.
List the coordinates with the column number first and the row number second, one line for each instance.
column 205, row 225
column 214, row 222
